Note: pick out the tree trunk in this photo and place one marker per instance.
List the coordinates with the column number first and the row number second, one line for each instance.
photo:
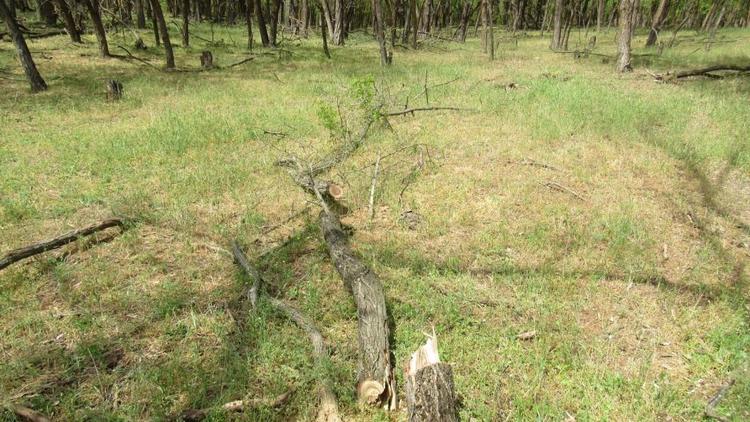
column 159, row 15
column 430, row 393
column 627, row 15
column 659, row 16
column 154, row 24
column 490, row 35
column 275, row 21
column 96, row 18
column 70, row 23
column 304, row 16
column 261, row 23
column 600, row 10
column 249, row 22
column 557, row 34
column 46, row 12
column 338, row 23
column 24, row 55
column 464, row 21
column 140, row 17
column 185, row 23
column 376, row 383
column 413, row 13
column 385, row 58
column 327, row 16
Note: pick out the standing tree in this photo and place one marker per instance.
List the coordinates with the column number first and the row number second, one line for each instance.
column 24, row 55
column 96, row 18
column 557, row 32
column 185, row 23
column 659, row 17
column 70, row 23
column 261, row 23
column 600, row 10
column 249, row 21
column 159, row 16
column 385, row 58
column 628, row 12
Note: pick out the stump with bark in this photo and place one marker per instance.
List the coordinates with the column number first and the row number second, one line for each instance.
column 114, row 90
column 207, row 60
column 429, row 386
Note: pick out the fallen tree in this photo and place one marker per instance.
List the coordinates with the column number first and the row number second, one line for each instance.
column 705, row 71
column 41, row 247
column 328, row 408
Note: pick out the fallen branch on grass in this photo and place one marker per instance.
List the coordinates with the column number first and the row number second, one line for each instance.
column 706, row 71
column 240, row 62
column 560, row 188
column 715, row 400
column 197, row 415
column 131, row 56
column 328, row 409
column 376, row 382
column 415, row 109
column 37, row 248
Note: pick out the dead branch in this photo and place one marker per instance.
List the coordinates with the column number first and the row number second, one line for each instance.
column 415, row 109
column 716, row 399
column 37, row 248
column 430, row 393
column 376, row 382
column 328, row 410
column 706, row 71
column 138, row 59
column 240, row 62
column 534, row 163
column 371, row 204
column 28, row 414
column 560, row 188
column 197, row 415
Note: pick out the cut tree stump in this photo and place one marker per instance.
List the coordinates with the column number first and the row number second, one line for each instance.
column 207, row 60
column 114, row 90
column 376, row 384
column 429, row 386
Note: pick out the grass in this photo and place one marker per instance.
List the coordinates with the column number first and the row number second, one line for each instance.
column 637, row 291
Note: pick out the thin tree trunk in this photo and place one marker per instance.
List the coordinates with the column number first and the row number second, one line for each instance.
column 327, row 16
column 627, row 14
column 185, row 23
column 70, row 23
column 24, row 55
column 140, row 17
column 96, row 18
column 600, row 10
column 491, row 33
column 464, row 21
column 159, row 15
column 658, row 19
column 413, row 13
column 261, row 23
column 154, row 24
column 557, row 35
column 338, row 23
column 304, row 17
column 249, row 22
column 385, row 59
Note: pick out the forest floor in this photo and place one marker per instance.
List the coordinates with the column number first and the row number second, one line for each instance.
column 608, row 213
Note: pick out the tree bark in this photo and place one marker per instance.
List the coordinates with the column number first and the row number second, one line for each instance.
column 600, row 11
column 413, row 13
column 249, row 22
column 185, row 23
column 24, row 55
column 658, row 19
column 96, row 18
column 490, row 29
column 557, row 34
column 385, row 58
column 70, row 23
column 327, row 15
column 376, row 383
column 140, row 17
column 261, row 23
column 159, row 15
column 46, row 12
column 464, row 20
column 627, row 16
column 338, row 23
column 430, row 392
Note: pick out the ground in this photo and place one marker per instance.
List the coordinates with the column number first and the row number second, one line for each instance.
column 605, row 212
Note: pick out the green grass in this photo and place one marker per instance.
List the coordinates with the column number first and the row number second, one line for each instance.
column 637, row 291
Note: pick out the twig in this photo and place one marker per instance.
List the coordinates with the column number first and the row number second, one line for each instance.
column 130, row 55
column 37, row 248
column 412, row 110
column 716, row 399
column 371, row 206
column 196, row 415
column 560, row 188
column 241, row 259
column 240, row 62
column 534, row 163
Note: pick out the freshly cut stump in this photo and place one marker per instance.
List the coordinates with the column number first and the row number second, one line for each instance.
column 429, row 386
